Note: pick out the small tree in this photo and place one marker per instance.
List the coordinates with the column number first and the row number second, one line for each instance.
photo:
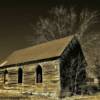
column 97, row 69
column 79, row 72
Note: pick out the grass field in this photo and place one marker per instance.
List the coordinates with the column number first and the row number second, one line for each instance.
column 95, row 97
column 33, row 97
column 13, row 95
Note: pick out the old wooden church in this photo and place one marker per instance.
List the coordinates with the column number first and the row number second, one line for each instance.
column 54, row 67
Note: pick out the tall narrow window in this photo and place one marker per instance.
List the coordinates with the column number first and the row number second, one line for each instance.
column 20, row 75
column 5, row 76
column 38, row 74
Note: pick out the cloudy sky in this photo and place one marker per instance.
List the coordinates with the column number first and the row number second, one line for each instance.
column 16, row 18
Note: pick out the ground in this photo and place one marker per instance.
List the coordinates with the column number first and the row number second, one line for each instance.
column 15, row 96
column 12, row 94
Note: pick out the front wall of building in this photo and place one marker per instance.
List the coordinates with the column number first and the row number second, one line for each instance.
column 72, row 68
column 50, row 77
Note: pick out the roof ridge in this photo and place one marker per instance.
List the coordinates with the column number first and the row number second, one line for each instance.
column 43, row 43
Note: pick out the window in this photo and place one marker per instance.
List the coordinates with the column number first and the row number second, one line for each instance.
column 5, row 76
column 38, row 74
column 20, row 75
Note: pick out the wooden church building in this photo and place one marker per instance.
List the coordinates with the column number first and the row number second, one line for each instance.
column 55, row 67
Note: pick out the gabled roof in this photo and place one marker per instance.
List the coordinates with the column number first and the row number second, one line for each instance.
column 46, row 50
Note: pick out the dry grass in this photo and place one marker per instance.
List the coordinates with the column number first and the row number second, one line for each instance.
column 49, row 98
column 95, row 97
column 14, row 96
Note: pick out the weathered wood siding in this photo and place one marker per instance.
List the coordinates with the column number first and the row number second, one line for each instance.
column 29, row 74
column 51, row 77
column 12, row 75
column 50, row 74
column 1, row 77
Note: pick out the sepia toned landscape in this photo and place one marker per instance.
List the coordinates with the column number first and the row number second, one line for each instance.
column 49, row 50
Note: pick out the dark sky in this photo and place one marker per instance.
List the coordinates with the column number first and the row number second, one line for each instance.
column 16, row 18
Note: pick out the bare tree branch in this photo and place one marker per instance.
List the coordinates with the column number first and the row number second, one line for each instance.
column 65, row 21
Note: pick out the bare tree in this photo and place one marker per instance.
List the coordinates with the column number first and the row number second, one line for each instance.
column 87, row 19
column 79, row 74
column 62, row 22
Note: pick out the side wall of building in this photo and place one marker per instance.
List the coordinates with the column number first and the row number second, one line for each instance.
column 50, row 77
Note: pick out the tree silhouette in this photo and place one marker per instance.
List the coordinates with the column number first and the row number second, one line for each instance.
column 62, row 22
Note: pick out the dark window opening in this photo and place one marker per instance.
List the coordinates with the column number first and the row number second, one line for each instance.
column 20, row 75
column 5, row 76
column 39, row 74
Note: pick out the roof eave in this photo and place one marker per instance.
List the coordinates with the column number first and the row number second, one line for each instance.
column 31, row 62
